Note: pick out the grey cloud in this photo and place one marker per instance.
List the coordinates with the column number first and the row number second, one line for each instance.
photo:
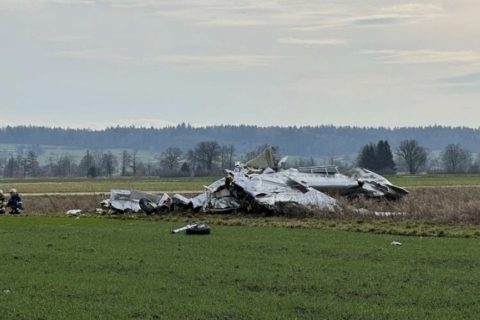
column 229, row 61
column 423, row 56
column 310, row 42
column 380, row 20
column 464, row 79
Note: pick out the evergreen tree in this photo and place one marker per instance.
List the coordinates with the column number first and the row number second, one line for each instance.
column 377, row 157
column 384, row 158
column 367, row 157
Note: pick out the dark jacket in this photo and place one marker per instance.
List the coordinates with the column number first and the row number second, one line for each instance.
column 15, row 202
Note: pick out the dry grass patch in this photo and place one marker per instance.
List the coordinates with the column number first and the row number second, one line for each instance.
column 450, row 212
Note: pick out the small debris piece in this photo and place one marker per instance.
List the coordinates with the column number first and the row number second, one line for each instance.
column 396, row 243
column 74, row 213
column 193, row 229
column 199, row 230
column 184, row 228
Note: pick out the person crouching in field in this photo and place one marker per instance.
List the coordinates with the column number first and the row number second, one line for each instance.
column 3, row 202
column 15, row 202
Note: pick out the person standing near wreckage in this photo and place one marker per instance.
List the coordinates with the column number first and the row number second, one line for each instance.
column 3, row 202
column 15, row 202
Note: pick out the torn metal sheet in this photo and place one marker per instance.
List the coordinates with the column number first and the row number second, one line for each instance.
column 122, row 201
column 374, row 185
column 272, row 191
column 215, row 198
column 267, row 192
column 263, row 161
column 261, row 185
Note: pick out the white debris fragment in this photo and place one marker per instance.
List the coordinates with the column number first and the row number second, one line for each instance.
column 396, row 243
column 389, row 214
column 74, row 213
column 7, row 291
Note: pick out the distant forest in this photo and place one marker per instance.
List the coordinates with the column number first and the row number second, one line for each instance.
column 296, row 141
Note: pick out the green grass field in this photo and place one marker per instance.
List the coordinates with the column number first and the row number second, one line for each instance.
column 97, row 268
column 436, row 180
column 195, row 184
column 105, row 185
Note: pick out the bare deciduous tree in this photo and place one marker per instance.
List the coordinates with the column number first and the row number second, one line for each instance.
column 87, row 166
column 126, row 160
column 133, row 162
column 456, row 159
column 65, row 166
column 109, row 164
column 227, row 153
column 207, row 152
column 412, row 154
column 170, row 159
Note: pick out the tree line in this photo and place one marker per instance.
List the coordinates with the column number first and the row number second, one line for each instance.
column 315, row 141
column 206, row 158
column 413, row 158
column 210, row 158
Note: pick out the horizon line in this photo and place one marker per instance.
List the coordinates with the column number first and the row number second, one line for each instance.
column 185, row 124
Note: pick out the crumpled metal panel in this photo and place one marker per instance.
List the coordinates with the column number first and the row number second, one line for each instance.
column 261, row 183
column 262, row 161
column 274, row 189
column 128, row 200
column 271, row 190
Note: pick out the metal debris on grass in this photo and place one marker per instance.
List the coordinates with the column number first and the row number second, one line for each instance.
column 263, row 185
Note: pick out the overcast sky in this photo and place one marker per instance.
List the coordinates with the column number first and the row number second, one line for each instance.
column 95, row 63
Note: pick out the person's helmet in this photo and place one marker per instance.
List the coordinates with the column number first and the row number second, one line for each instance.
column 13, row 191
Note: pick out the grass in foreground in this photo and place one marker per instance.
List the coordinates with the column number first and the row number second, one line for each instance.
column 364, row 224
column 59, row 268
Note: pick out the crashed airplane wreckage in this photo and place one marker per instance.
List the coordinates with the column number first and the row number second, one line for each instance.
column 261, row 185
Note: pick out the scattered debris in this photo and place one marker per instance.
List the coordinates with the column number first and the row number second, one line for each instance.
column 262, row 185
column 74, row 213
column 127, row 201
column 198, row 230
column 396, row 243
column 7, row 291
column 382, row 214
column 193, row 229
column 389, row 214
column 184, row 228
